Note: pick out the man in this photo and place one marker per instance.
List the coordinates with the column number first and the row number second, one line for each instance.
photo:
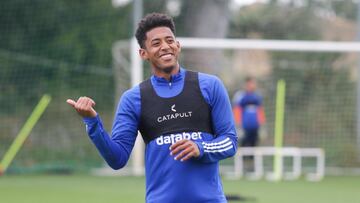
column 184, row 117
column 249, row 113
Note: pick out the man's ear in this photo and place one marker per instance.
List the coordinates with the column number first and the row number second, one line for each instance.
column 143, row 54
column 178, row 45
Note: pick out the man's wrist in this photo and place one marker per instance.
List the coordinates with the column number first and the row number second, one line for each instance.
column 201, row 150
column 90, row 120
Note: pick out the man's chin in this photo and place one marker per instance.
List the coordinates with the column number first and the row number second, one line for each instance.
column 168, row 70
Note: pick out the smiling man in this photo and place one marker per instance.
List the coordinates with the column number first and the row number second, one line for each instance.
column 184, row 117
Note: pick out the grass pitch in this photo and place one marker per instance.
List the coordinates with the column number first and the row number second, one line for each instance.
column 91, row 189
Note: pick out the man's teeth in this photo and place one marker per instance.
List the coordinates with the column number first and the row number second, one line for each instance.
column 166, row 56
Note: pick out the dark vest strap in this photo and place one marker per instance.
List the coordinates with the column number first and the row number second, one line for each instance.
column 186, row 112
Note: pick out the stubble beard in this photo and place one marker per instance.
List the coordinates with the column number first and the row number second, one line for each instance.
column 169, row 69
column 166, row 70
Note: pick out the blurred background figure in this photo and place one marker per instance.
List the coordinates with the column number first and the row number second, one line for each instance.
column 248, row 113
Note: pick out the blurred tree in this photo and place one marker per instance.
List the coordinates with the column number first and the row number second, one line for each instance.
column 275, row 21
column 56, row 42
column 155, row 6
column 205, row 18
column 346, row 9
column 314, row 85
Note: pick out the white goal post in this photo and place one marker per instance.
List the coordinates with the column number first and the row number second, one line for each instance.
column 272, row 45
column 234, row 44
column 295, row 153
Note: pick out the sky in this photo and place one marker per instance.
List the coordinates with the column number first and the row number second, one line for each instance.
column 239, row 3
column 235, row 4
column 247, row 2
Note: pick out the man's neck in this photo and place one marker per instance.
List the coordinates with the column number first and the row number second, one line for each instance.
column 163, row 74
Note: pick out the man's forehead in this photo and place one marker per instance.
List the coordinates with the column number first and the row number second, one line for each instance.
column 158, row 33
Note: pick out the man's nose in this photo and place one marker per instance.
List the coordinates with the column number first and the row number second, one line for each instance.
column 164, row 46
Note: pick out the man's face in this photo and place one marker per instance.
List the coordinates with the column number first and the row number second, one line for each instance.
column 161, row 49
column 251, row 86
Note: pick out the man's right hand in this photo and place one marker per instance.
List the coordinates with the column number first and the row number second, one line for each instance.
column 84, row 106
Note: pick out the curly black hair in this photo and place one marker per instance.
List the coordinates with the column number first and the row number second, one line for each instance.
column 151, row 21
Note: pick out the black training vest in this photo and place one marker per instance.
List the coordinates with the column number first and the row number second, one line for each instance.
column 185, row 112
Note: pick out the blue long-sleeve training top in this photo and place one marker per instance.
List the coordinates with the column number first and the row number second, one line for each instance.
column 169, row 180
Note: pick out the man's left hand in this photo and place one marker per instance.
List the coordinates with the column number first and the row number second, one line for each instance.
column 184, row 150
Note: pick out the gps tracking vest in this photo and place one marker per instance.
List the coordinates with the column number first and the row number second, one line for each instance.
column 186, row 112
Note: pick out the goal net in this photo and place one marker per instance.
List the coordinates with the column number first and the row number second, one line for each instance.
column 321, row 84
column 320, row 109
column 321, row 87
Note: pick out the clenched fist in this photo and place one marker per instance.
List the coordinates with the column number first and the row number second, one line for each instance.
column 84, row 106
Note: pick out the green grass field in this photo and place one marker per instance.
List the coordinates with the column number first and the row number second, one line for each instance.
column 91, row 189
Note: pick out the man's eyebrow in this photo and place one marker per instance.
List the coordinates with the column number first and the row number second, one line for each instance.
column 158, row 39
column 155, row 39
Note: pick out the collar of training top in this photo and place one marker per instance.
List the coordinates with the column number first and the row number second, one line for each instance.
column 174, row 78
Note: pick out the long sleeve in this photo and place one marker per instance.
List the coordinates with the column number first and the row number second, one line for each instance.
column 224, row 144
column 116, row 149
